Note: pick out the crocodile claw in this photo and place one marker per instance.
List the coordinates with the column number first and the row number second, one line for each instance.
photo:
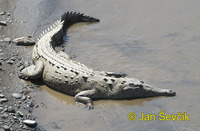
column 90, row 105
column 21, row 76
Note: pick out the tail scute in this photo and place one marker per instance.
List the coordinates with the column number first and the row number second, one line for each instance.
column 71, row 18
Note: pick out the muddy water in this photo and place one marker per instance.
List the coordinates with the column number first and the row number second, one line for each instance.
column 155, row 41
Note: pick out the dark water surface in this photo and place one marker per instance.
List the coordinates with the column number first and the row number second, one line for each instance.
column 156, row 41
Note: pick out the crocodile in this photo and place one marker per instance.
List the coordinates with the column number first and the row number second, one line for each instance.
column 65, row 75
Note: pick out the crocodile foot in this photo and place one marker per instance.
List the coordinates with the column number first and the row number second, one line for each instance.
column 22, row 76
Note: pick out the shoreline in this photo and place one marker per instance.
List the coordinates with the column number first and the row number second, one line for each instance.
column 17, row 102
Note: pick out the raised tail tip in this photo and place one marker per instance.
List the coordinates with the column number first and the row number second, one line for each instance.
column 89, row 19
column 77, row 17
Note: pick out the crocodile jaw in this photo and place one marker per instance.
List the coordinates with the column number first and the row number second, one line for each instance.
column 141, row 91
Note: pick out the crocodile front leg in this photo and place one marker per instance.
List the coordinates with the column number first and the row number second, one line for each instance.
column 114, row 74
column 85, row 98
column 32, row 71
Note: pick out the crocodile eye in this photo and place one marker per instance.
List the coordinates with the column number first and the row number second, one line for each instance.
column 131, row 84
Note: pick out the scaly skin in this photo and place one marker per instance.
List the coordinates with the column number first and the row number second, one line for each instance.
column 72, row 78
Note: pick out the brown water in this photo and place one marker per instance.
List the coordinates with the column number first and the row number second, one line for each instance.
column 155, row 41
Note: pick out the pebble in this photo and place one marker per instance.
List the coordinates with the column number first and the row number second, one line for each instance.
column 31, row 104
column 3, row 23
column 23, row 97
column 30, row 123
column 13, row 58
column 4, row 116
column 28, row 97
column 11, row 109
column 3, row 100
column 10, row 62
column 2, row 12
column 6, row 128
column 2, row 96
column 17, row 95
column 20, row 114
column 26, row 41
column 7, row 39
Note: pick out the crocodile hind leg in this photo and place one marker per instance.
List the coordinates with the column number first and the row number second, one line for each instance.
column 85, row 98
column 32, row 71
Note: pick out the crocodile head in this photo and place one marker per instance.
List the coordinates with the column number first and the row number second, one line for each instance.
column 134, row 88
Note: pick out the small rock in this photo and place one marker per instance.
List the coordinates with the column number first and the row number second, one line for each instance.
column 7, row 39
column 6, row 128
column 17, row 95
column 5, row 109
column 23, row 97
column 11, row 109
column 25, row 41
column 2, row 59
column 1, row 108
column 8, row 14
column 31, row 104
column 3, row 23
column 3, row 100
column 20, row 114
column 10, row 62
column 4, row 116
column 13, row 58
column 15, row 117
column 28, row 97
column 28, row 115
column 2, row 12
column 2, row 96
column 30, row 123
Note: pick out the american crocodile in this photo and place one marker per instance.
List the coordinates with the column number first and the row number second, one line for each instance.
column 61, row 73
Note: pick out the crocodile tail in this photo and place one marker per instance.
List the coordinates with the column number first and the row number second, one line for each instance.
column 71, row 18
